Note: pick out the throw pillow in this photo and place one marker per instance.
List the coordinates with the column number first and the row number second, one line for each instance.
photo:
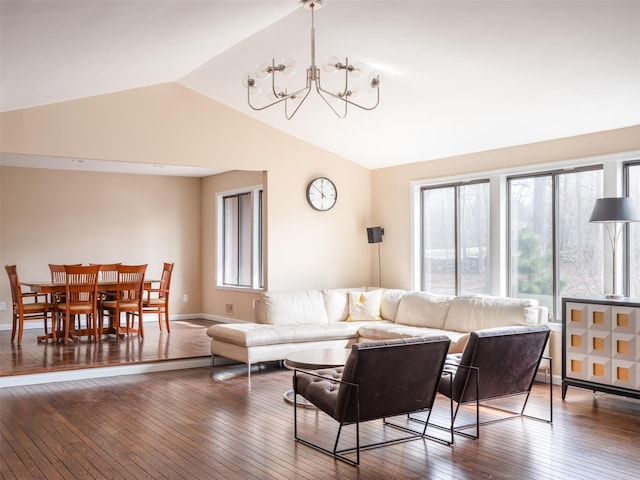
column 364, row 306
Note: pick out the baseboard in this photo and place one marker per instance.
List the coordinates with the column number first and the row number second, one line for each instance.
column 100, row 372
column 222, row 319
column 541, row 377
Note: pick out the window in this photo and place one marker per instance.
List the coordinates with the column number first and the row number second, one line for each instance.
column 240, row 239
column 553, row 249
column 632, row 189
column 455, row 238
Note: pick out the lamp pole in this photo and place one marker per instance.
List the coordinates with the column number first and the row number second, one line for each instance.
column 614, row 235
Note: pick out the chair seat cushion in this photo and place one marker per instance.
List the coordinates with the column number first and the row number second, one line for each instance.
column 76, row 307
column 112, row 304
column 322, row 392
column 34, row 307
column 154, row 302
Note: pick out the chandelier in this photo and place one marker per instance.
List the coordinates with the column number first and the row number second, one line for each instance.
column 338, row 101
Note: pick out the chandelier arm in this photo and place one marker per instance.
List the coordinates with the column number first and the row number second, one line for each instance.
column 273, row 78
column 362, row 106
column 286, row 114
column 346, row 100
column 286, row 97
column 346, row 78
column 320, row 92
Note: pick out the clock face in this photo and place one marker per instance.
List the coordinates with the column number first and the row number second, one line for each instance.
column 321, row 194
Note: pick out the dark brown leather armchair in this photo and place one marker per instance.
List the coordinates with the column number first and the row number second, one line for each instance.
column 379, row 380
column 496, row 363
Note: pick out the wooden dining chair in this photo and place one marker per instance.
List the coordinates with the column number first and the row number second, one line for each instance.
column 81, row 298
column 107, row 281
column 156, row 300
column 128, row 300
column 58, row 277
column 30, row 310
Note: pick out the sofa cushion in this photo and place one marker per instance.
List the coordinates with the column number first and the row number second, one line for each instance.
column 389, row 302
column 364, row 305
column 479, row 312
column 336, row 302
column 254, row 334
column 422, row 309
column 303, row 307
column 372, row 332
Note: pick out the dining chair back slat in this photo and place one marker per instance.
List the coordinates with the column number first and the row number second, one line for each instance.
column 58, row 274
column 108, row 273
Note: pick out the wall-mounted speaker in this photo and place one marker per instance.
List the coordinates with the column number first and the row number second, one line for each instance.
column 374, row 234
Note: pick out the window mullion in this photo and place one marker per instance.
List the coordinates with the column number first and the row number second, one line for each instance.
column 456, row 235
column 555, row 244
column 239, row 241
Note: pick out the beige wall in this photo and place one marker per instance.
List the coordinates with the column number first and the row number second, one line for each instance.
column 55, row 216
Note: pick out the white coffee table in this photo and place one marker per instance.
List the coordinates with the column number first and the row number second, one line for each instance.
column 313, row 360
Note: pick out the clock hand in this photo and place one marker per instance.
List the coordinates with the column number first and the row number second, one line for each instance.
column 319, row 190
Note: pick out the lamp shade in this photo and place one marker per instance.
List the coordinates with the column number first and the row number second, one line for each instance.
column 614, row 209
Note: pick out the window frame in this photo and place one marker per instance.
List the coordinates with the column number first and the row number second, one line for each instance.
column 256, row 266
column 456, row 226
column 555, row 174
column 626, row 255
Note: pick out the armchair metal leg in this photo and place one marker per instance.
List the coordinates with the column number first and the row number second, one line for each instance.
column 448, row 428
column 512, row 414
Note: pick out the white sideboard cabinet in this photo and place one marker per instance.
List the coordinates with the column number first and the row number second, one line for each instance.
column 601, row 345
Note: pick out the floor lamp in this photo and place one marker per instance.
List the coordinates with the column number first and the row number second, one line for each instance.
column 374, row 235
column 614, row 212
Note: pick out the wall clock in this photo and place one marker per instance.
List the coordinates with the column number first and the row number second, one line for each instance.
column 322, row 194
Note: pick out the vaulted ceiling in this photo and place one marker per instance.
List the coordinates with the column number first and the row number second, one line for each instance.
column 457, row 76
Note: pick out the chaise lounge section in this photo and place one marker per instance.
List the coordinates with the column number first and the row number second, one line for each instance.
column 290, row 321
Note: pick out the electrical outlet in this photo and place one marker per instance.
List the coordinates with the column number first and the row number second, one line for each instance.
column 185, row 298
column 229, row 307
column 3, row 306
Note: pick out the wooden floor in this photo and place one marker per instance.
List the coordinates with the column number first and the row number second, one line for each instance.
column 210, row 422
column 187, row 340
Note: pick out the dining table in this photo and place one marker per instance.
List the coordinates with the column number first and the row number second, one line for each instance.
column 52, row 288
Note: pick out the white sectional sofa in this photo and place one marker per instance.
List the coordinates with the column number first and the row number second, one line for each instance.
column 288, row 321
